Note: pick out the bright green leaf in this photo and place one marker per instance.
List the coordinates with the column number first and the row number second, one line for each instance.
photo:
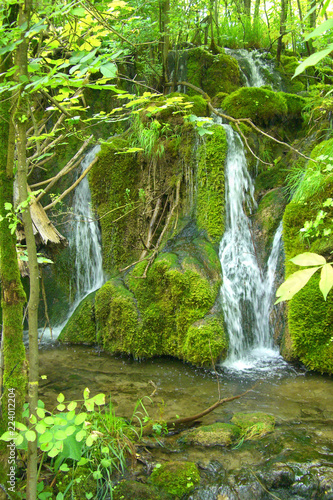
column 313, row 59
column 308, row 259
column 80, row 418
column 109, row 70
column 19, row 426
column 294, row 283
column 327, row 25
column 30, row 435
column 326, row 279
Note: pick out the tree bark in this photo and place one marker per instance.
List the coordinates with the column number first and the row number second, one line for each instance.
column 20, row 121
column 13, row 373
column 283, row 19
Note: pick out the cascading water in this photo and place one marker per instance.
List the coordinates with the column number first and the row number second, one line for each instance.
column 254, row 66
column 85, row 239
column 247, row 290
column 84, row 242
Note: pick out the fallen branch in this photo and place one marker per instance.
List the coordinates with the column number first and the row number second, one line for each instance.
column 173, row 424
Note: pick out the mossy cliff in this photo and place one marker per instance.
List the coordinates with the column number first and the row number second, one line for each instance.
column 212, row 73
column 172, row 197
column 310, row 317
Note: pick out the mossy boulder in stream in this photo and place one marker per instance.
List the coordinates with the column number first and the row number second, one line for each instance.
column 170, row 312
column 81, row 326
column 262, row 106
column 254, row 425
column 176, row 478
column 218, row 434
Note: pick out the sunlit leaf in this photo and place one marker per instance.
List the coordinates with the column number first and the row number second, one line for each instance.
column 308, row 259
column 30, row 435
column 294, row 283
column 313, row 59
column 327, row 25
column 326, row 279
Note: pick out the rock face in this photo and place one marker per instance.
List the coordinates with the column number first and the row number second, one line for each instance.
column 158, row 190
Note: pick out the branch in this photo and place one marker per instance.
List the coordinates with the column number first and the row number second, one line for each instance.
column 172, row 424
column 55, row 103
column 238, row 121
column 73, row 186
column 72, row 163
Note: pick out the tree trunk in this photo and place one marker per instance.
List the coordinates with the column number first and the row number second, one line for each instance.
column 22, row 176
column 13, row 373
column 165, row 38
column 283, row 19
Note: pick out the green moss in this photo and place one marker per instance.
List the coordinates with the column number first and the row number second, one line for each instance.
column 310, row 318
column 81, row 326
column 176, row 478
column 114, row 183
column 117, row 317
column 212, row 73
column 133, row 490
column 81, row 481
column 254, row 425
column 262, row 106
column 210, row 195
column 205, row 341
column 295, row 103
column 287, row 69
column 218, row 434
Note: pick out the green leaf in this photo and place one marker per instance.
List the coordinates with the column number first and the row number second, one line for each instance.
column 109, row 70
column 60, row 435
column 46, row 437
column 327, row 25
column 8, row 206
column 64, row 468
column 80, row 435
column 313, row 59
column 49, row 420
column 61, row 398
column 326, row 280
column 61, row 407
column 19, row 426
column 294, row 283
column 308, row 259
column 80, row 418
column 60, row 496
column 6, row 436
column 79, row 12
column 71, row 406
column 40, row 412
column 70, row 430
column 30, row 435
column 86, row 393
column 40, row 427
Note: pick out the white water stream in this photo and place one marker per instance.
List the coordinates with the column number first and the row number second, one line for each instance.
column 85, row 239
column 85, row 242
column 248, row 290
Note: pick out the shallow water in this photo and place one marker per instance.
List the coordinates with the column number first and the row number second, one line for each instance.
column 287, row 392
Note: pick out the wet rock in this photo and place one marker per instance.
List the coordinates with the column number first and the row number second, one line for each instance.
column 218, row 434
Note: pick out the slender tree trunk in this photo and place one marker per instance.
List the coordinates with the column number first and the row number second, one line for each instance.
column 165, row 38
column 13, row 373
column 300, row 13
column 283, row 19
column 20, row 121
column 312, row 20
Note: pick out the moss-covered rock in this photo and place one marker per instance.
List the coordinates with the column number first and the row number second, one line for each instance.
column 310, row 317
column 81, row 326
column 266, row 220
column 218, row 434
column 133, row 490
column 287, row 68
column 117, row 317
column 114, row 183
column 262, row 106
column 176, row 478
column 210, row 196
column 212, row 73
column 205, row 341
column 254, row 425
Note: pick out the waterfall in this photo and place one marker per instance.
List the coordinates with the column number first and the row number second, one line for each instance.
column 85, row 239
column 247, row 290
column 254, row 66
